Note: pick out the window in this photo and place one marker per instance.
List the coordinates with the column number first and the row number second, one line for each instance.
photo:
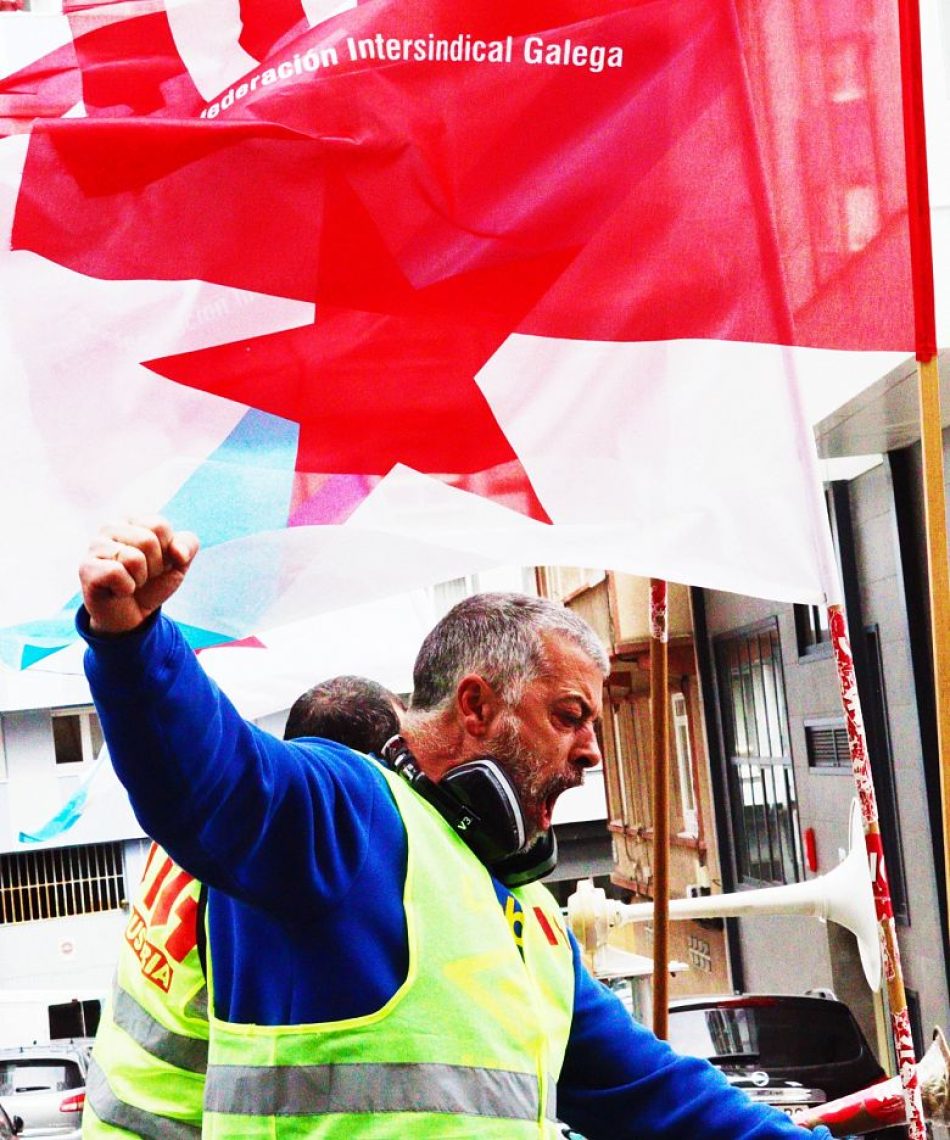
column 762, row 793
column 629, row 771
column 77, row 735
column 848, row 103
column 447, row 594
column 62, row 881
column 634, row 775
column 699, row 953
column 684, row 764
column 612, row 746
column 771, row 1032
column 621, row 739
column 826, row 743
column 38, row 1074
column 811, row 628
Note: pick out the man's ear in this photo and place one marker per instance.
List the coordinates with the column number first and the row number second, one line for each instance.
column 477, row 703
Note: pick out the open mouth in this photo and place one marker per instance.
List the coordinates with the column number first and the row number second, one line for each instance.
column 547, row 810
column 547, row 804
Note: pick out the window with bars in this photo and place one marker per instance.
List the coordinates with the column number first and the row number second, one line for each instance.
column 59, row 882
column 826, row 744
column 762, row 792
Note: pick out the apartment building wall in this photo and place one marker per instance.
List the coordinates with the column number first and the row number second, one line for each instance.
column 617, row 607
column 794, row 953
column 62, row 899
column 884, row 611
column 777, row 953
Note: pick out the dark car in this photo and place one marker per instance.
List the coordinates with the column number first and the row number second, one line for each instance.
column 10, row 1128
column 791, row 1051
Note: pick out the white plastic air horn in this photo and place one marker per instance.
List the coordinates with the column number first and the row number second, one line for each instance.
column 844, row 895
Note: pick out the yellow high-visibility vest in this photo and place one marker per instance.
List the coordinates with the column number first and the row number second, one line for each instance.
column 471, row 1044
column 149, row 1060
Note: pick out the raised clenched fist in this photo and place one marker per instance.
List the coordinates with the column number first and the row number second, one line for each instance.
column 132, row 568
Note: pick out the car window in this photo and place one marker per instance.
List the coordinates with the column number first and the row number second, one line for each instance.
column 767, row 1035
column 42, row 1074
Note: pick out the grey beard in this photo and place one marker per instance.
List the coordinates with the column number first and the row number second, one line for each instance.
column 521, row 766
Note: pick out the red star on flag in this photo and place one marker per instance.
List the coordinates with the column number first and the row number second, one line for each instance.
column 371, row 390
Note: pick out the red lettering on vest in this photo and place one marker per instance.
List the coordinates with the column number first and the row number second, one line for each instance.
column 162, row 977
column 168, row 897
column 152, row 852
column 160, row 877
column 545, row 925
column 172, row 896
column 135, row 924
column 184, row 938
column 152, row 961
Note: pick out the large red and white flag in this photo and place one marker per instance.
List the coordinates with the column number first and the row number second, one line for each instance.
column 370, row 296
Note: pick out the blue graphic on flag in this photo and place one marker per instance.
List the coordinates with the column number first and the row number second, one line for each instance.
column 71, row 811
column 244, row 487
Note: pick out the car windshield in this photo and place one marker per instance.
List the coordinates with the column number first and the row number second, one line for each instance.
column 43, row 1074
column 767, row 1034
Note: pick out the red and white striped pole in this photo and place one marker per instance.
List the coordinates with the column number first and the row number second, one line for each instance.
column 893, row 976
column 659, row 670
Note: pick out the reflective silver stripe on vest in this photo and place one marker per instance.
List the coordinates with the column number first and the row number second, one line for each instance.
column 188, row 1053
column 148, row 1125
column 198, row 1005
column 313, row 1090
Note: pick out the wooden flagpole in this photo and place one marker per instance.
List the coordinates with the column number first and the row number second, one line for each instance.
column 659, row 671
column 928, row 378
column 893, row 976
column 938, row 565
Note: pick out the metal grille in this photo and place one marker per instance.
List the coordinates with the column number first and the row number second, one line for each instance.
column 59, row 882
column 762, row 784
column 827, row 746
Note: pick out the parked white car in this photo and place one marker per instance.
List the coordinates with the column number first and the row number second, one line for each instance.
column 45, row 1086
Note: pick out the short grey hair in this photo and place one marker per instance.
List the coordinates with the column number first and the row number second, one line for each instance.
column 499, row 637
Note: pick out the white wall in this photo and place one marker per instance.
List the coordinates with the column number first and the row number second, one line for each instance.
column 35, row 788
column 54, row 953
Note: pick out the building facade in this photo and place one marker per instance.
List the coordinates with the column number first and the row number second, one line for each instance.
column 617, row 606
column 70, row 854
column 761, row 781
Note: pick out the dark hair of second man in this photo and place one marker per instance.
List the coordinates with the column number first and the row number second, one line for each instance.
column 354, row 711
